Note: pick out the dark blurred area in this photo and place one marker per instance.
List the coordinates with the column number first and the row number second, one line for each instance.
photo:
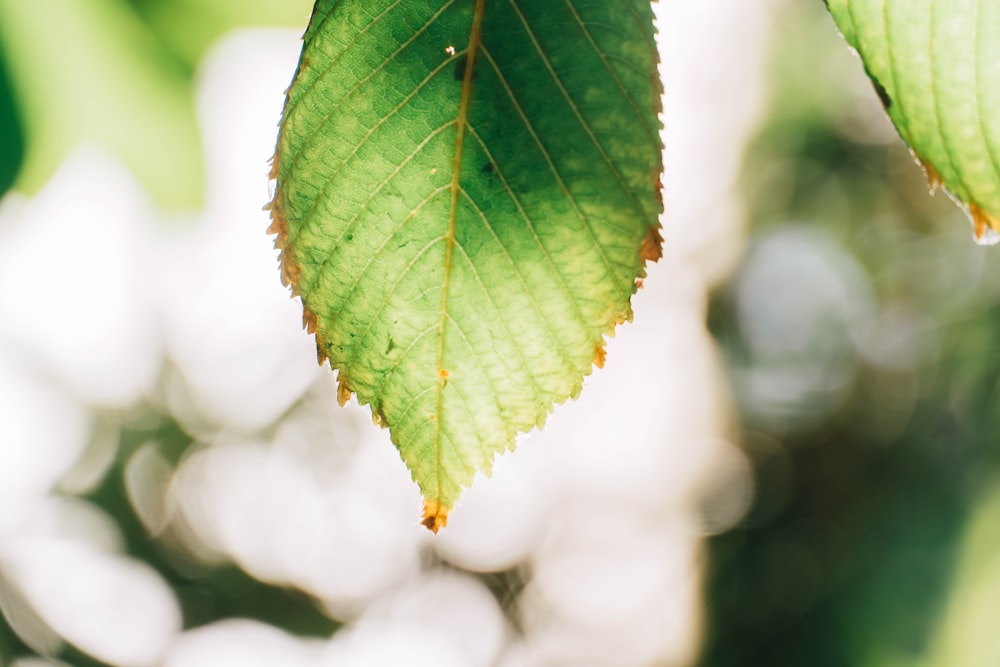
column 11, row 133
column 860, row 335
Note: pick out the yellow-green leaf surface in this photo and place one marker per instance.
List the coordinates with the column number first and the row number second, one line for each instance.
column 466, row 194
column 936, row 66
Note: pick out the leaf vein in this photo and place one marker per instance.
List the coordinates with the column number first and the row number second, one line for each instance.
column 534, row 231
column 361, row 209
column 475, row 38
column 653, row 137
column 364, row 140
column 402, row 274
column 489, row 380
column 980, row 110
column 345, row 49
column 552, row 167
column 612, row 167
column 949, row 157
column 560, row 345
column 317, row 132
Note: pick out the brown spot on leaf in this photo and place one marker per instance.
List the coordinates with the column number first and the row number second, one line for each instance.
column 435, row 516
column 343, row 391
column 983, row 222
column 600, row 354
column 651, row 249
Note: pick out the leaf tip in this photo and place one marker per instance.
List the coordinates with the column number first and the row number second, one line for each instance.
column 435, row 516
column 985, row 227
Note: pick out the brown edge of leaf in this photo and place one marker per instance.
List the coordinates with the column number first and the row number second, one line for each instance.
column 982, row 220
column 651, row 246
column 291, row 272
column 651, row 249
column 600, row 355
column 290, row 276
column 930, row 173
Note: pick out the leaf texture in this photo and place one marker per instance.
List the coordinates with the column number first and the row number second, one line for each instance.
column 936, row 67
column 466, row 194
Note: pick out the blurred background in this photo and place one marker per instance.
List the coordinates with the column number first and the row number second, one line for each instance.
column 786, row 461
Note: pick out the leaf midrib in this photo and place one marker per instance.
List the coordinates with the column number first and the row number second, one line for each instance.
column 461, row 123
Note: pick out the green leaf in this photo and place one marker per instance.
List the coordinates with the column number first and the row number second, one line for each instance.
column 466, row 194
column 936, row 67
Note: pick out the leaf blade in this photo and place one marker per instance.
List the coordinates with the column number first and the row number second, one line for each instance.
column 461, row 213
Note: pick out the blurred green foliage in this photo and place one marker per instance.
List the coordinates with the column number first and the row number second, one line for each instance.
column 856, row 551
column 118, row 74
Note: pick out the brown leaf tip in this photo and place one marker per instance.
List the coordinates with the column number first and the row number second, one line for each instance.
column 651, row 249
column 435, row 516
column 985, row 226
